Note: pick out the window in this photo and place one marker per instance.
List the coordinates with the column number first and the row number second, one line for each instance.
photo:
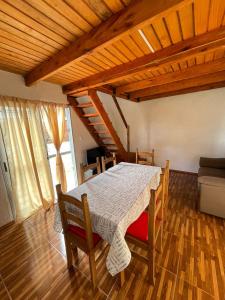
column 67, row 153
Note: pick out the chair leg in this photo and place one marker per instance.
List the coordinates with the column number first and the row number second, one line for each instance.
column 151, row 266
column 93, row 270
column 122, row 278
column 69, row 254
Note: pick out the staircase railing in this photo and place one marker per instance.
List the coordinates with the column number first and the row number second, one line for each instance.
column 125, row 124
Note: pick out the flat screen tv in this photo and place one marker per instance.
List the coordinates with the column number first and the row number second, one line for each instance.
column 93, row 153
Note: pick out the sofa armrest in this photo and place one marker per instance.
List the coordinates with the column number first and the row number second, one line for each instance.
column 213, row 181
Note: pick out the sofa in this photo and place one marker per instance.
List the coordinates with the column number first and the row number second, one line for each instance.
column 211, row 182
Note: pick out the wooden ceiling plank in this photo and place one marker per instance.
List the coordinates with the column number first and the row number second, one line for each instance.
column 152, row 37
column 99, row 8
column 114, row 28
column 69, row 13
column 201, row 13
column 28, row 21
column 114, row 5
column 216, row 13
column 41, row 18
column 27, row 38
column 173, row 27
column 125, row 50
column 51, row 13
column 24, row 28
column 140, row 42
column 134, row 48
column 23, row 54
column 12, row 38
column 162, row 33
column 181, row 84
column 12, row 41
column 85, row 11
column 209, row 41
column 109, row 56
column 195, row 71
column 117, row 53
column 181, row 91
column 186, row 18
column 219, row 54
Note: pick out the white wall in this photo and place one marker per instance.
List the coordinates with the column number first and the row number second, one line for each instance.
column 180, row 128
column 13, row 85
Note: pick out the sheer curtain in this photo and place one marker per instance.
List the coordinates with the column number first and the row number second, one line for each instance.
column 54, row 120
column 25, row 146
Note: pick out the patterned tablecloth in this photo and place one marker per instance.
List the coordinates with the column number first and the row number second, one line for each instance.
column 116, row 199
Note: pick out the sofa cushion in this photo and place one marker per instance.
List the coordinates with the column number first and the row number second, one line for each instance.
column 217, row 163
column 211, row 172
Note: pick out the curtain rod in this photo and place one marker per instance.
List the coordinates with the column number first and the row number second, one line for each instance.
column 13, row 98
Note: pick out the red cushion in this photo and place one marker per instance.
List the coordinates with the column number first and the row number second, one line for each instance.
column 76, row 230
column 139, row 228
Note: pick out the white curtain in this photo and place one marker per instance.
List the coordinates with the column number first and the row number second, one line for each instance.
column 54, row 121
column 25, row 146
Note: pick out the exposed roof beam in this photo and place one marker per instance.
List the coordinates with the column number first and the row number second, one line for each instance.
column 180, row 85
column 136, row 15
column 205, row 42
column 203, row 87
column 195, row 71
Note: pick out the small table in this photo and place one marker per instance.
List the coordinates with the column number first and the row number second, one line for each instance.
column 116, row 198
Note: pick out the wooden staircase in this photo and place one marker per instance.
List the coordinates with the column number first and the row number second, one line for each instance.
column 98, row 124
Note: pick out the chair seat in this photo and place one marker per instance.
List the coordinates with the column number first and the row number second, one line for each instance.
column 139, row 228
column 76, row 230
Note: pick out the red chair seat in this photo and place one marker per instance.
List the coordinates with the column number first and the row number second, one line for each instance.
column 76, row 230
column 139, row 228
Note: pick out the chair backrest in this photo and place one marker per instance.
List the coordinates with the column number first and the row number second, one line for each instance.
column 155, row 211
column 106, row 160
column 83, row 222
column 145, row 158
column 85, row 168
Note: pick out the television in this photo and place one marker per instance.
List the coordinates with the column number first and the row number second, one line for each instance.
column 93, row 153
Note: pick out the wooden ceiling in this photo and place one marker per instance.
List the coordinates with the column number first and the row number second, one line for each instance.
column 139, row 50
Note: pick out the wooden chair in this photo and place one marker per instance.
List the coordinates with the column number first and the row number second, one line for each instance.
column 166, row 172
column 85, row 168
column 145, row 158
column 80, row 236
column 106, row 160
column 148, row 229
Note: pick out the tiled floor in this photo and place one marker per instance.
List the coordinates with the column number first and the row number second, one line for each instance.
column 192, row 265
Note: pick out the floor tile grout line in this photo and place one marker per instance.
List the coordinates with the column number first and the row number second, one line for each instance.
column 7, row 291
column 176, row 280
column 77, row 268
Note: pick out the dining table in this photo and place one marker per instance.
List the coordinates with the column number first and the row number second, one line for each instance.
column 116, row 198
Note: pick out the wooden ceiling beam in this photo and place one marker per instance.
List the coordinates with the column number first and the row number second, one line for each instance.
column 179, row 85
column 203, row 87
column 195, row 71
column 206, row 42
column 118, row 25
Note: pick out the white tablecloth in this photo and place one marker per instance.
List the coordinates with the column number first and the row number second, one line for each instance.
column 116, row 199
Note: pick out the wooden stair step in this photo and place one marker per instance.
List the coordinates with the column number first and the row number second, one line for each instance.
column 101, row 132
column 95, row 123
column 84, row 105
column 90, row 115
column 106, row 138
column 110, row 145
